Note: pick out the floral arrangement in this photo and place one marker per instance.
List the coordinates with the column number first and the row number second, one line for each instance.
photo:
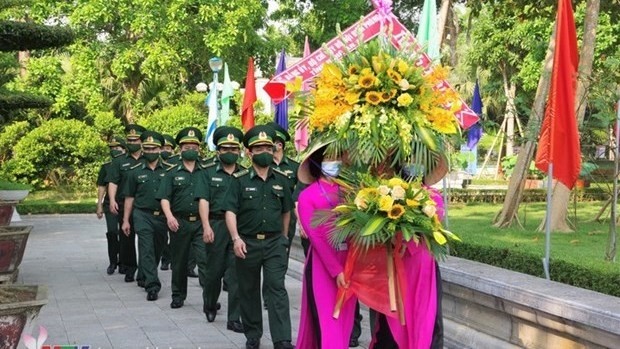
column 377, row 210
column 379, row 105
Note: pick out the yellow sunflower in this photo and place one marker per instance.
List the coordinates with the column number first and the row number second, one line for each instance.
column 366, row 81
column 396, row 212
column 373, row 97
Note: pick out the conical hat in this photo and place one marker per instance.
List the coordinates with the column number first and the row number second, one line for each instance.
column 438, row 172
column 303, row 172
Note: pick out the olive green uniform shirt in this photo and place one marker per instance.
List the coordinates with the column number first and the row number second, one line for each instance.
column 143, row 184
column 259, row 204
column 289, row 167
column 118, row 173
column 101, row 182
column 179, row 187
column 213, row 184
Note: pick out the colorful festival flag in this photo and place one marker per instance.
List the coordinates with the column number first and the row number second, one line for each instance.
column 281, row 117
column 428, row 36
column 301, row 131
column 475, row 132
column 227, row 94
column 249, row 97
column 211, row 103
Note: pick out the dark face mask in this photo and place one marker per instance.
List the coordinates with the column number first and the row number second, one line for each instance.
column 114, row 153
column 165, row 154
column 229, row 158
column 189, row 155
column 262, row 159
column 132, row 148
column 150, row 157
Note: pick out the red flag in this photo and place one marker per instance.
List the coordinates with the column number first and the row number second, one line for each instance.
column 559, row 138
column 249, row 97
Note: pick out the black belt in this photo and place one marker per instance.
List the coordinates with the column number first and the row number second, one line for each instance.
column 151, row 212
column 217, row 215
column 189, row 217
column 262, row 235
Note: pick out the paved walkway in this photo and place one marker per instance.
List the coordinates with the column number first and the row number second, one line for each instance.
column 88, row 307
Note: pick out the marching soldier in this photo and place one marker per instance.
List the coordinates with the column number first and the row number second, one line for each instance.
column 258, row 208
column 169, row 159
column 116, row 178
column 148, row 221
column 117, row 148
column 177, row 196
column 211, row 192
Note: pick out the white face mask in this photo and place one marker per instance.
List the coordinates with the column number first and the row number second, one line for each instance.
column 331, row 168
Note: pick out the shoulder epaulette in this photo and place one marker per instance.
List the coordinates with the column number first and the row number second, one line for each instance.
column 293, row 161
column 241, row 173
column 107, row 163
column 280, row 172
column 207, row 165
column 172, row 167
column 136, row 166
column 243, row 167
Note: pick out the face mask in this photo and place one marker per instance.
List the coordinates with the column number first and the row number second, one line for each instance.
column 150, row 157
column 189, row 155
column 116, row 153
column 331, row 168
column 165, row 155
column 229, row 158
column 262, row 159
column 132, row 148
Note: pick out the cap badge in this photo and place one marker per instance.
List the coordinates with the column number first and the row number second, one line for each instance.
column 230, row 137
column 149, row 139
column 191, row 133
column 132, row 132
column 262, row 135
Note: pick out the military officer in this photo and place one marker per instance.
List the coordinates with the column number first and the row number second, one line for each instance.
column 178, row 201
column 116, row 178
column 148, row 220
column 258, row 208
column 169, row 158
column 117, row 148
column 212, row 189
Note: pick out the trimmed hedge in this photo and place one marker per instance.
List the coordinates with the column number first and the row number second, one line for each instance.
column 497, row 196
column 24, row 36
column 22, row 100
column 561, row 271
column 55, row 208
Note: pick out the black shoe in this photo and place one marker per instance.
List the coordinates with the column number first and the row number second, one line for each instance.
column 176, row 303
column 129, row 277
column 164, row 266
column 235, row 326
column 122, row 269
column 252, row 343
column 151, row 296
column 111, row 269
column 192, row 274
column 211, row 315
column 354, row 343
column 283, row 345
column 141, row 283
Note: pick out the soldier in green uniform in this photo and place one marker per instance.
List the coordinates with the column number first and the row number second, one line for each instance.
column 117, row 148
column 116, row 178
column 178, row 201
column 258, row 207
column 168, row 157
column 148, row 221
column 211, row 191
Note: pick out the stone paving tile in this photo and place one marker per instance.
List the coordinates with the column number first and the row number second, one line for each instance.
column 86, row 306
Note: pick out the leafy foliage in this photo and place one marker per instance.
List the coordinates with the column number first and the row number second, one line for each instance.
column 22, row 36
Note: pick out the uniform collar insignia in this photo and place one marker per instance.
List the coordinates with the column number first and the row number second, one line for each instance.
column 277, row 187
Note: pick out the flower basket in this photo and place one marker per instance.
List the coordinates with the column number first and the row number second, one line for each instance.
column 12, row 246
column 19, row 306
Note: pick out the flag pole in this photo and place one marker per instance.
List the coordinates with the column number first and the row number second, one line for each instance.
column 548, row 222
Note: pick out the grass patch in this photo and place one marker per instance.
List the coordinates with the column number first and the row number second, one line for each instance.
column 51, row 202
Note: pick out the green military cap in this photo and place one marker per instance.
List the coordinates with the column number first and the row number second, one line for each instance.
column 259, row 135
column 168, row 140
column 281, row 133
column 189, row 135
column 116, row 141
column 134, row 131
column 227, row 135
column 152, row 138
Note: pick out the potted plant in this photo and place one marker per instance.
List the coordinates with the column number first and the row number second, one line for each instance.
column 11, row 193
column 585, row 173
column 12, row 246
column 19, row 306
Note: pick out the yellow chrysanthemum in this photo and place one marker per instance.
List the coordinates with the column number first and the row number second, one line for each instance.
column 385, row 203
column 373, row 97
column 352, row 97
column 404, row 100
column 396, row 212
column 412, row 203
column 366, row 81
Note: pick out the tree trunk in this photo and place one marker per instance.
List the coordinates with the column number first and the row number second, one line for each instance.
column 22, row 58
column 586, row 58
column 453, row 33
column 443, row 20
column 560, row 192
column 508, row 213
column 510, row 90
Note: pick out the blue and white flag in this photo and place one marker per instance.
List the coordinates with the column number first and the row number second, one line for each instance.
column 211, row 103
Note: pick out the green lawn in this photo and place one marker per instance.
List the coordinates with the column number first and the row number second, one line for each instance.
column 585, row 247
